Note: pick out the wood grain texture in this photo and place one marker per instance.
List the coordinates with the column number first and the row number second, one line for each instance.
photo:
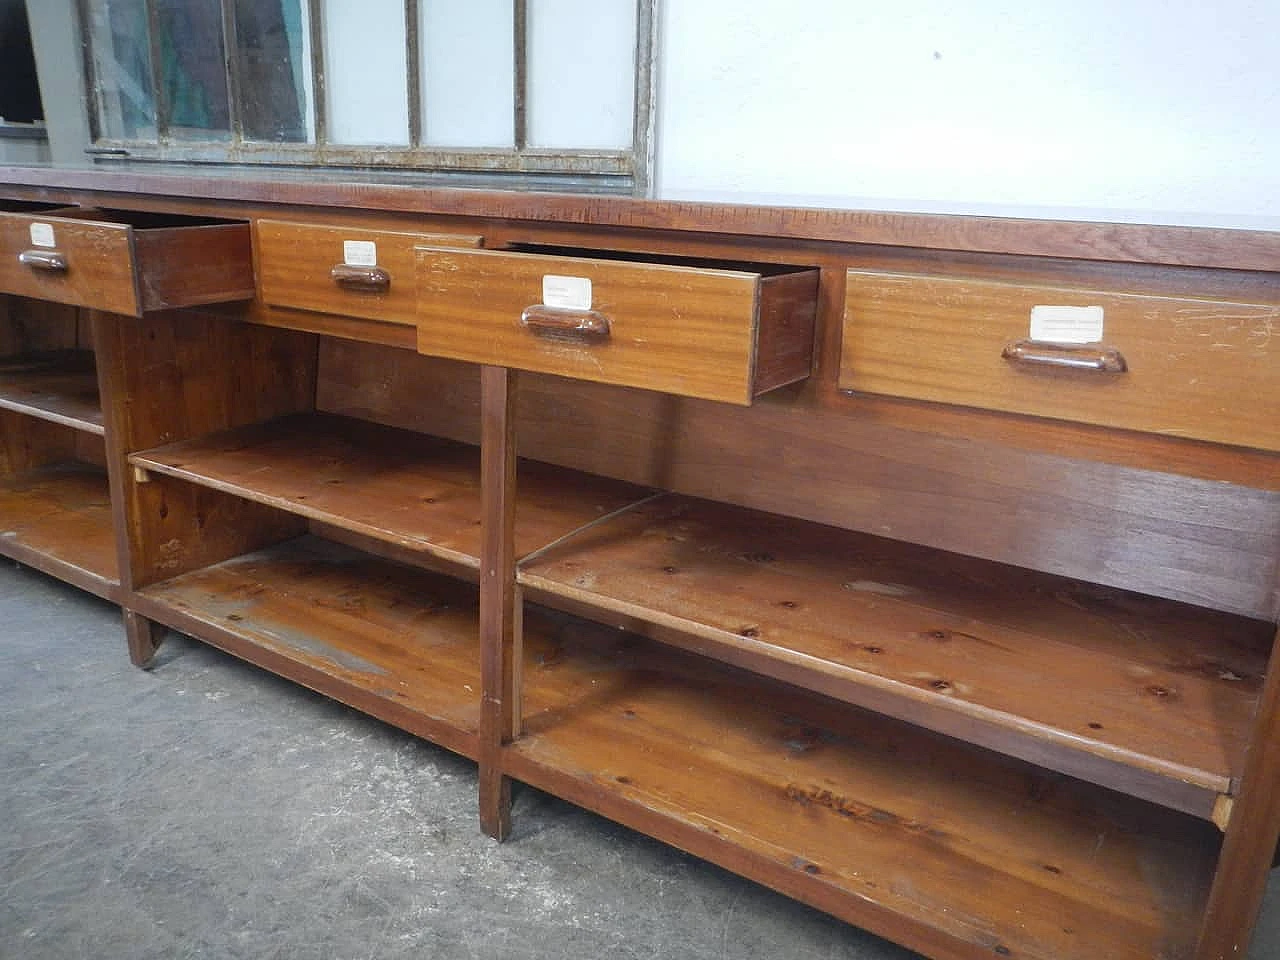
column 1251, row 839
column 1147, row 697
column 57, row 519
column 1206, row 543
column 398, row 644
column 693, row 331
column 173, row 375
column 60, row 387
column 295, row 259
column 1192, row 246
column 1190, row 362
column 100, row 263
column 416, row 491
column 501, row 608
column 937, row 845
column 189, row 266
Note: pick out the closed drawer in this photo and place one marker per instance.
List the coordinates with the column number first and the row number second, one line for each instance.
column 124, row 262
column 1204, row 369
column 720, row 332
column 338, row 270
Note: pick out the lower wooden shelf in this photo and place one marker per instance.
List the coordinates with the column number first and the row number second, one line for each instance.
column 57, row 519
column 61, row 387
column 1147, row 696
column 398, row 643
column 945, row 847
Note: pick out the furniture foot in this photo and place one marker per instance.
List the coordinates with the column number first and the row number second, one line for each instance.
column 144, row 637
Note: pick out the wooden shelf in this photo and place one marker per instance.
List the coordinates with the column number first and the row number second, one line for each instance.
column 396, row 642
column 416, row 491
column 61, row 387
column 948, row 848
column 57, row 519
column 1150, row 697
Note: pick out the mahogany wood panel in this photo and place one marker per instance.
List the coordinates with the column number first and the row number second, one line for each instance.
column 1195, row 368
column 1202, row 246
column 295, row 260
column 61, row 387
column 693, row 331
column 397, row 643
column 933, row 843
column 1207, row 543
column 110, row 264
column 36, row 326
column 1250, row 846
column 57, row 519
column 173, row 375
column 1148, row 697
column 1145, row 451
column 419, row 492
column 501, row 607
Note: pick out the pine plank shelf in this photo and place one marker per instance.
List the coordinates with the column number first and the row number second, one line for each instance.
column 61, row 387
column 955, row 850
column 1146, row 696
column 57, row 519
column 415, row 491
column 396, row 642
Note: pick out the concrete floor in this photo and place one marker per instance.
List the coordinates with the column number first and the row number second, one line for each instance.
column 208, row 809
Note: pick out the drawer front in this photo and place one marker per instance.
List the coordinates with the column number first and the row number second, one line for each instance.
column 685, row 330
column 81, row 262
column 1202, row 369
column 305, row 267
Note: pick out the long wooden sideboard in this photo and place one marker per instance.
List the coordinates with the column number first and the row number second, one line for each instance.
column 925, row 569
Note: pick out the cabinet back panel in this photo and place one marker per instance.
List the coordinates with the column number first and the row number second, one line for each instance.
column 1188, row 539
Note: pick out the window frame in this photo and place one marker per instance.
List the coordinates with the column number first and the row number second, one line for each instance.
column 631, row 166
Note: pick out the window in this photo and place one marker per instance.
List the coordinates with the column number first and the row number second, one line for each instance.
column 529, row 86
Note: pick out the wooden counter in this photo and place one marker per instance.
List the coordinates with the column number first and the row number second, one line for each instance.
column 924, row 568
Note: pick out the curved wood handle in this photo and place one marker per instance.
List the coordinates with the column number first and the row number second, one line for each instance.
column 1068, row 356
column 368, row 279
column 557, row 322
column 54, row 260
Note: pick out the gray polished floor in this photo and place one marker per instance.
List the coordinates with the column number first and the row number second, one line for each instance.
column 207, row 809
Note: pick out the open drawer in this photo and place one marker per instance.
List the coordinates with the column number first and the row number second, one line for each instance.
column 718, row 331
column 124, row 261
column 343, row 270
column 1178, row 366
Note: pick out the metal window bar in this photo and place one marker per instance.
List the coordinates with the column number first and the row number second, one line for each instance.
column 413, row 70
column 520, row 74
column 631, row 166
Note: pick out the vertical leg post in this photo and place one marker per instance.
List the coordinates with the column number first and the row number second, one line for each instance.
column 1251, row 835
column 499, row 599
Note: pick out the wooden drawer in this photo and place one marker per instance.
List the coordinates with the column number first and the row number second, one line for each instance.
column 124, row 262
column 718, row 332
column 306, row 267
column 1203, row 369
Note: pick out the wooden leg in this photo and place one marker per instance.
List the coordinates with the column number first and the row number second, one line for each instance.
column 499, row 599
column 144, row 637
column 1251, row 837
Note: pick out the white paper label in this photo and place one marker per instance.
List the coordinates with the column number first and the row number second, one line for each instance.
column 360, row 253
column 566, row 293
column 1054, row 324
column 42, row 235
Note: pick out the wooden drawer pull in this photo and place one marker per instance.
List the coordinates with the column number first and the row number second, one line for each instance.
column 1070, row 356
column 368, row 279
column 44, row 260
column 558, row 322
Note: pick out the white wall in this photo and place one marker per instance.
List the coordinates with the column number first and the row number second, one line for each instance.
column 1135, row 109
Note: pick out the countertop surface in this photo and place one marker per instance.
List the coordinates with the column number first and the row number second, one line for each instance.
column 1037, row 232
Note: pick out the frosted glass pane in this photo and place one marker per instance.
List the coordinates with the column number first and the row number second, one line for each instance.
column 468, row 73
column 581, row 63
column 364, row 72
